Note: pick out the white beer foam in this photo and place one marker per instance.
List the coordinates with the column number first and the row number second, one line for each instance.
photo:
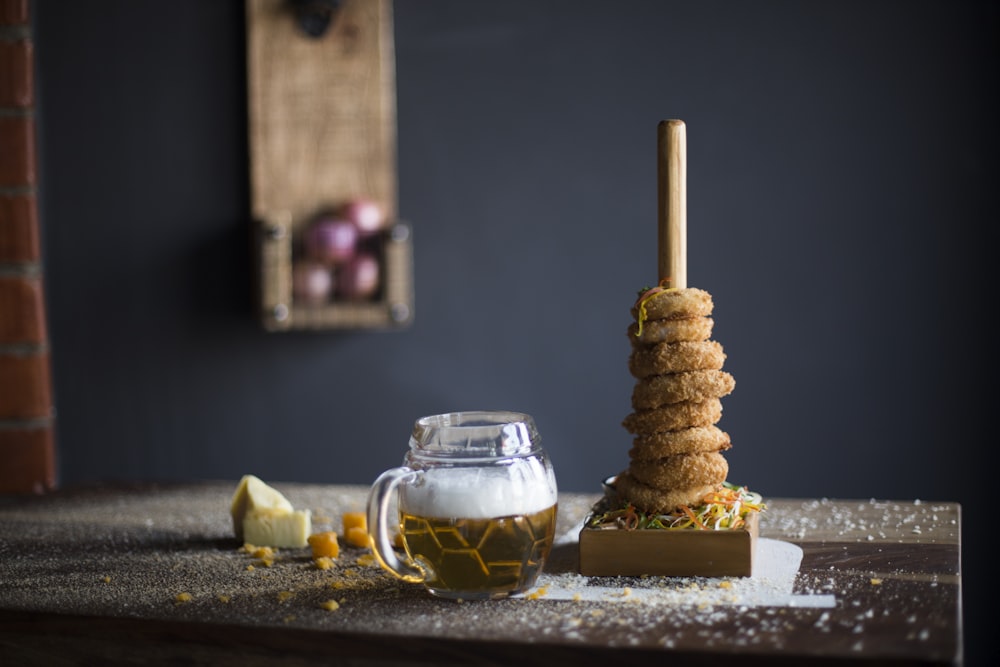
column 524, row 487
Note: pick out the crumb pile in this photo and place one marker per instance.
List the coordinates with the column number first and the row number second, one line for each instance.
column 676, row 458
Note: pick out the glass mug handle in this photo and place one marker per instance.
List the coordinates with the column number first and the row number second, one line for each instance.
column 378, row 521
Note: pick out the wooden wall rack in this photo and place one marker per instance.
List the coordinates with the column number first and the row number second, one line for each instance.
column 322, row 132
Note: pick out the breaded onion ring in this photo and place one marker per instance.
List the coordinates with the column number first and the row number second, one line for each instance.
column 686, row 441
column 651, row 499
column 657, row 390
column 682, row 471
column 674, row 303
column 674, row 417
column 671, row 331
column 676, row 357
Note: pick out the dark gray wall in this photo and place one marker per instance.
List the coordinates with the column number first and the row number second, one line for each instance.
column 841, row 193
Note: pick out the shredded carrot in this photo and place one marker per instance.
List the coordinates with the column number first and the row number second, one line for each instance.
column 694, row 517
column 631, row 519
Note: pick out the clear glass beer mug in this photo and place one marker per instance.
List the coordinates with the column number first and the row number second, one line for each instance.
column 475, row 505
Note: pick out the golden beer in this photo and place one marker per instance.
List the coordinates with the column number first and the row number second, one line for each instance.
column 479, row 558
column 475, row 501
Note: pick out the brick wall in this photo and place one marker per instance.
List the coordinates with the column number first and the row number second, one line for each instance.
column 27, row 444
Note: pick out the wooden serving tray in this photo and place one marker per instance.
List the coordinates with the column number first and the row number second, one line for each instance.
column 674, row 553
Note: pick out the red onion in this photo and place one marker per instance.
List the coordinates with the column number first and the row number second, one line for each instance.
column 366, row 215
column 358, row 278
column 331, row 240
column 312, row 282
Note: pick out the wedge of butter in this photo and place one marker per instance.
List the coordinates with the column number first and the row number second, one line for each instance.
column 277, row 528
column 253, row 494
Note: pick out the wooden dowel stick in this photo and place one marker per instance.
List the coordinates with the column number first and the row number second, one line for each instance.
column 672, row 187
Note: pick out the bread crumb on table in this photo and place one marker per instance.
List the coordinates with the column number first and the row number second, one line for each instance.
column 323, row 563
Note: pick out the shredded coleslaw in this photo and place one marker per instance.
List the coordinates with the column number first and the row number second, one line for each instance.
column 725, row 509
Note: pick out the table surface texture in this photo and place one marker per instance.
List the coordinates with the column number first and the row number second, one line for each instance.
column 97, row 575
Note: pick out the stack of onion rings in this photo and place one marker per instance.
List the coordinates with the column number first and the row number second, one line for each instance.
column 676, row 456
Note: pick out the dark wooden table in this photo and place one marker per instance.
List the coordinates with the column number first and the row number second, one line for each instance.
column 150, row 574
